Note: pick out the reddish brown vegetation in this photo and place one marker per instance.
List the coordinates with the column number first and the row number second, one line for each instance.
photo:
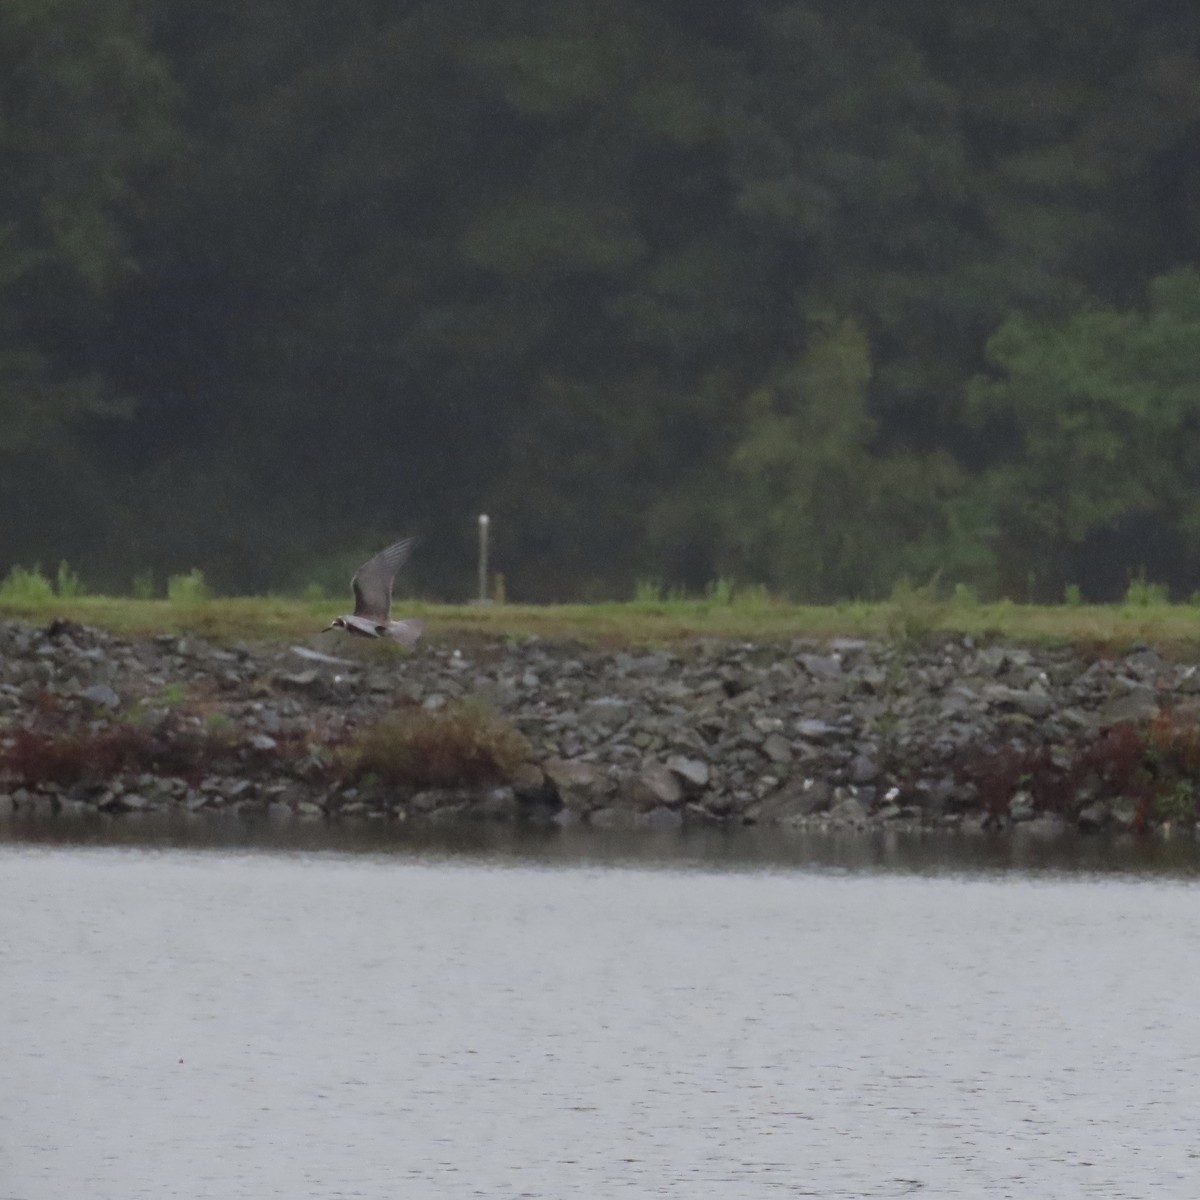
column 464, row 745
column 1154, row 767
column 84, row 756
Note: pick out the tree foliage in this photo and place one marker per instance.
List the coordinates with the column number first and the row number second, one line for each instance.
column 809, row 293
column 1099, row 416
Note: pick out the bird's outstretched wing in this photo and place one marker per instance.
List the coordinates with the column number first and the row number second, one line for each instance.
column 372, row 582
column 317, row 656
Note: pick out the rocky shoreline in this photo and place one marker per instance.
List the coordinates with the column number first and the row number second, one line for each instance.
column 841, row 733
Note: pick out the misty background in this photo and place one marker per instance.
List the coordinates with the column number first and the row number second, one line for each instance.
column 813, row 295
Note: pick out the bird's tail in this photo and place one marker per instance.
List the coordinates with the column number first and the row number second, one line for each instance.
column 406, row 632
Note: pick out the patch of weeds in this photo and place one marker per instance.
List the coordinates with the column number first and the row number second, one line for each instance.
column 313, row 593
column 965, row 596
column 648, row 591
column 721, row 591
column 461, row 745
column 173, row 694
column 1072, row 595
column 67, row 583
column 753, row 597
column 656, row 596
column 725, row 592
column 1002, row 618
column 1141, row 593
column 189, row 588
column 1178, row 803
column 913, row 612
column 23, row 586
column 143, row 585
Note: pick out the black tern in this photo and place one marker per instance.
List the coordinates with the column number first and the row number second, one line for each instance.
column 372, row 584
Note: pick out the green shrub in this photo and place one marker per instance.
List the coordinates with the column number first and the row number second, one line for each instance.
column 647, row 591
column 143, row 585
column 914, row 612
column 26, row 587
column 1143, row 594
column 67, row 582
column 1177, row 802
column 752, row 597
column 189, row 588
column 1072, row 595
column 721, row 592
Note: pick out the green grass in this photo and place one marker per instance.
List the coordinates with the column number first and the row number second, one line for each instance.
column 908, row 617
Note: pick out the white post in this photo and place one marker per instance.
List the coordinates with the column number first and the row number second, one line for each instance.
column 484, row 521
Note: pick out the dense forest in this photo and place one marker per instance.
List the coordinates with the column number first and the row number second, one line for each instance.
column 811, row 294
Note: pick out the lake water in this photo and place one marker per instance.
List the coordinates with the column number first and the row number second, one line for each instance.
column 199, row 1010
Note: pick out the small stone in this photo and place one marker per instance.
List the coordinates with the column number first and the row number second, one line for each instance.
column 101, row 695
column 793, row 802
column 1020, row 807
column 301, row 681
column 1092, row 819
column 497, row 802
column 128, row 802
column 1144, row 661
column 815, row 730
column 777, row 748
column 863, row 769
column 663, row 818
column 1140, row 704
column 766, row 725
column 263, row 742
column 693, row 771
column 822, row 666
column 580, row 785
column 850, row 810
column 1046, row 825
column 655, row 785
column 528, row 780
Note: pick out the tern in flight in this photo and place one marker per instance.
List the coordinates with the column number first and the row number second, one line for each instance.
column 372, row 584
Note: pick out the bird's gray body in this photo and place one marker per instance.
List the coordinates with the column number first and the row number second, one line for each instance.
column 372, row 584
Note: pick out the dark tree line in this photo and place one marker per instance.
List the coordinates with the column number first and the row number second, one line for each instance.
column 814, row 294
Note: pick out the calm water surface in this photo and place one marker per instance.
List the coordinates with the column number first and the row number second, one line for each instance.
column 192, row 1012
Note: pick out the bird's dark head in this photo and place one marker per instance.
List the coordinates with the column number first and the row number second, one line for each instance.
column 337, row 623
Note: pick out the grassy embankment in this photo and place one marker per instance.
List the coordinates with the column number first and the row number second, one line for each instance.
column 641, row 621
